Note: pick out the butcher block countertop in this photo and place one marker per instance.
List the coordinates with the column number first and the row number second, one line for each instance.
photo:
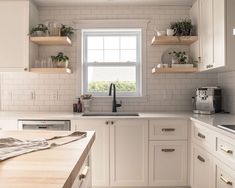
column 52, row 168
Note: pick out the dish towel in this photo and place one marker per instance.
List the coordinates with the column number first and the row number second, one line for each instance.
column 12, row 147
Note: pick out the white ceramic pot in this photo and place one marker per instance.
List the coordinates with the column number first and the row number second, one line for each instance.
column 161, row 33
column 62, row 64
column 170, row 32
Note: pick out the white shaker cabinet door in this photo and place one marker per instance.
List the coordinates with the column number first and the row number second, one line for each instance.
column 206, row 34
column 202, row 168
column 14, row 46
column 99, row 151
column 168, row 163
column 129, row 153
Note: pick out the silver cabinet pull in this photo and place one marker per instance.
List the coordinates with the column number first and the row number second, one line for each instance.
column 200, row 158
column 226, row 150
column 84, row 173
column 201, row 135
column 168, row 129
column 168, row 150
column 225, row 181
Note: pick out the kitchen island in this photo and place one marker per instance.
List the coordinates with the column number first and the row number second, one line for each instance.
column 58, row 167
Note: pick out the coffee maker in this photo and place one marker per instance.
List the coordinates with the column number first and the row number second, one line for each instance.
column 207, row 100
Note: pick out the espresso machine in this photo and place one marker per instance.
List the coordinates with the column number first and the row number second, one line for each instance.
column 207, row 100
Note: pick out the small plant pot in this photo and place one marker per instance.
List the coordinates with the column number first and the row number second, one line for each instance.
column 86, row 104
column 62, row 64
column 39, row 33
column 174, row 60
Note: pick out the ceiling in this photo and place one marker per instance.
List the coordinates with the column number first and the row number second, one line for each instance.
column 113, row 2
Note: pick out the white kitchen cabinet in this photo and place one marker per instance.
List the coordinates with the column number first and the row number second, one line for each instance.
column 206, row 34
column 211, row 28
column 225, row 176
column 168, row 163
column 202, row 168
column 129, row 153
column 100, row 149
column 8, row 124
column 14, row 47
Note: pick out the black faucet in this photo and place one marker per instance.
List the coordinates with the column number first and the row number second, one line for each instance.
column 115, row 105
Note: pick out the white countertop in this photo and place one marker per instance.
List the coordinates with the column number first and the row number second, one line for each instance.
column 211, row 121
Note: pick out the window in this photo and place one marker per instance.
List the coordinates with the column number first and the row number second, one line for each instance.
column 112, row 56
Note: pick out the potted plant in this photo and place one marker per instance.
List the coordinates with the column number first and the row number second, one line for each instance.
column 66, row 30
column 182, row 28
column 39, row 30
column 179, row 58
column 86, row 99
column 60, row 60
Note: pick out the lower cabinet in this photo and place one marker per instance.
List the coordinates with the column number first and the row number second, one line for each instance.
column 168, row 163
column 129, row 153
column 202, row 168
column 99, row 151
column 83, row 179
column 8, row 125
column 119, row 153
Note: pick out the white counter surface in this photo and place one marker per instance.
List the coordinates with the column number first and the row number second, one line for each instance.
column 211, row 121
column 74, row 116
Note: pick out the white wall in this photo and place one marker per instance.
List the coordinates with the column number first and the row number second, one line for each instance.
column 227, row 81
column 164, row 92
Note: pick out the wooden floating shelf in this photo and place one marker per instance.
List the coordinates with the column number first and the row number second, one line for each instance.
column 174, row 40
column 51, row 70
column 175, row 70
column 51, row 40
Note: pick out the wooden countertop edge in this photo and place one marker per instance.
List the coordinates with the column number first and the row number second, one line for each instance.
column 77, row 167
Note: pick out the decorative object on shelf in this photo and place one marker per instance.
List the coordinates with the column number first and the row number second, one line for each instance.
column 61, row 60
column 166, row 58
column 233, row 32
column 170, row 32
column 179, row 57
column 86, row 99
column 182, row 28
column 39, row 30
column 66, row 30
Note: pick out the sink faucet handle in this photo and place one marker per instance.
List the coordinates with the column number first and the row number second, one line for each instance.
column 119, row 104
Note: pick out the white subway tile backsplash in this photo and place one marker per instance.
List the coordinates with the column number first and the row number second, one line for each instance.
column 54, row 92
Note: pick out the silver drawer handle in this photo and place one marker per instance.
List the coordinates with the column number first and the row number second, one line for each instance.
column 168, row 130
column 226, row 150
column 225, row 181
column 200, row 158
column 168, row 150
column 84, row 173
column 201, row 135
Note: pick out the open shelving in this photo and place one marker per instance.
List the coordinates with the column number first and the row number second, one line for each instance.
column 174, row 40
column 175, row 69
column 51, row 70
column 51, row 40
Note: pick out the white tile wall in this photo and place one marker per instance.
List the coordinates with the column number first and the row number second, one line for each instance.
column 165, row 92
column 226, row 81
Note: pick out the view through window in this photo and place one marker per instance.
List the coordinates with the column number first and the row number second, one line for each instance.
column 112, row 56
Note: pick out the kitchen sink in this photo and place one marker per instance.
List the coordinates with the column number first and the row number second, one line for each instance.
column 110, row 114
column 230, row 128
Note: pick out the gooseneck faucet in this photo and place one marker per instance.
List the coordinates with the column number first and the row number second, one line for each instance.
column 115, row 105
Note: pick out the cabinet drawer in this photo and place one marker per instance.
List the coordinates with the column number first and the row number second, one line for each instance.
column 225, row 177
column 225, row 150
column 168, row 129
column 203, row 137
column 168, row 163
column 83, row 179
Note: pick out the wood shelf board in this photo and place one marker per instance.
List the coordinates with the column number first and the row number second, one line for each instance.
column 51, row 70
column 175, row 70
column 174, row 40
column 51, row 40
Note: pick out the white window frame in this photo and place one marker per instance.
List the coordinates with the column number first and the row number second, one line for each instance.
column 113, row 24
column 112, row 32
